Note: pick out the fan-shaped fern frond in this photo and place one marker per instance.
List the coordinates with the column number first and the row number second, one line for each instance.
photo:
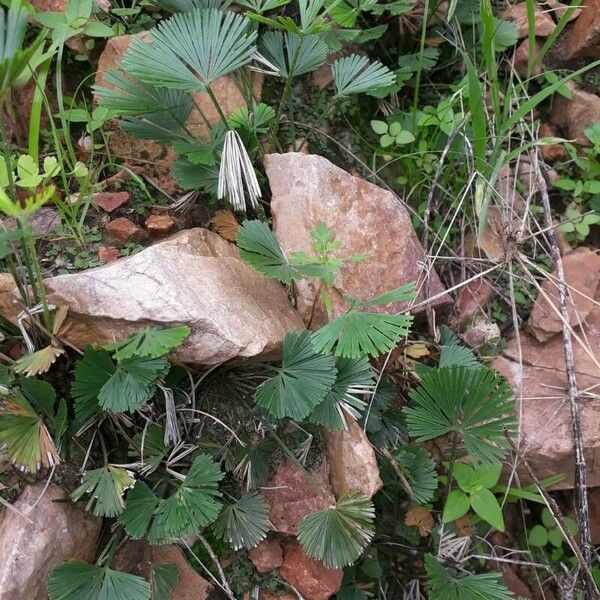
column 302, row 382
column 475, row 404
column 189, row 5
column 191, row 50
column 419, row 469
column 445, row 584
column 306, row 53
column 355, row 378
column 244, row 523
column 357, row 334
column 192, row 506
column 355, row 75
column 81, row 581
column 338, row 535
column 106, row 487
column 150, row 342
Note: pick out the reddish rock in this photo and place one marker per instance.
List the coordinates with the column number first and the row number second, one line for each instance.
column 551, row 152
column 267, row 556
column 159, row 225
column 521, row 59
column 108, row 254
column 594, row 504
column 109, row 201
column 308, row 576
column 560, row 8
column 473, row 298
column 290, row 495
column 57, row 531
column 544, row 25
column 541, row 389
column 152, row 158
column 308, row 190
column 582, row 274
column 482, row 331
column 583, row 40
column 137, row 558
column 577, row 113
column 123, row 230
column 352, row 461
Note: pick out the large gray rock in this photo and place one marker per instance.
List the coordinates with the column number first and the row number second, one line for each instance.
column 366, row 219
column 193, row 278
column 57, row 530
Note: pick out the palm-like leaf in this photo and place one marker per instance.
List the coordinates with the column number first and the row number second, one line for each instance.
column 253, row 462
column 419, row 469
column 338, row 535
column 92, row 371
column 190, row 176
column 151, row 342
column 458, row 356
column 446, row 585
column 188, row 5
column 164, row 578
column 192, row 506
column 24, row 436
column 260, row 249
column 384, row 421
column 38, row 362
column 306, row 53
column 302, row 381
column 245, row 523
column 81, row 581
column 357, row 334
column 475, row 404
column 191, row 50
column 355, row 378
column 355, row 75
column 106, row 487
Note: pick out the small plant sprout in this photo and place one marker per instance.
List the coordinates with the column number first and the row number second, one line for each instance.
column 236, row 174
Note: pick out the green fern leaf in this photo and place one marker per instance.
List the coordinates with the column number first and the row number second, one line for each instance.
column 338, row 535
column 458, row 356
column 280, row 49
column 245, row 523
column 188, row 5
column 302, row 381
column 193, row 505
column 419, row 469
column 106, row 487
column 81, row 581
column 92, row 371
column 150, row 342
column 253, row 462
column 190, row 176
column 175, row 59
column 164, row 579
column 24, row 436
column 384, row 421
column 445, row 585
column 354, row 378
column 475, row 404
column 357, row 334
column 132, row 384
column 355, row 75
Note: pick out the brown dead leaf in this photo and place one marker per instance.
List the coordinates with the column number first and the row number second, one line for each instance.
column 417, row 516
column 226, row 225
column 417, row 351
column 464, row 527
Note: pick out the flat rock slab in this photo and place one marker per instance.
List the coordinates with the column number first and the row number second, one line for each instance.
column 193, row 278
column 366, row 219
column 57, row 531
column 541, row 389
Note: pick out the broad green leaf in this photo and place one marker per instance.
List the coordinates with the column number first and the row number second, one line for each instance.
column 457, row 505
column 489, row 475
column 379, row 127
column 338, row 535
column 81, row 581
column 302, row 382
column 465, row 476
column 485, row 504
column 538, row 536
column 555, row 537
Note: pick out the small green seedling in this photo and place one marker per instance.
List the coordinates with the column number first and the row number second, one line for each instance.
column 474, row 492
column 577, row 225
column 549, row 533
column 392, row 134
